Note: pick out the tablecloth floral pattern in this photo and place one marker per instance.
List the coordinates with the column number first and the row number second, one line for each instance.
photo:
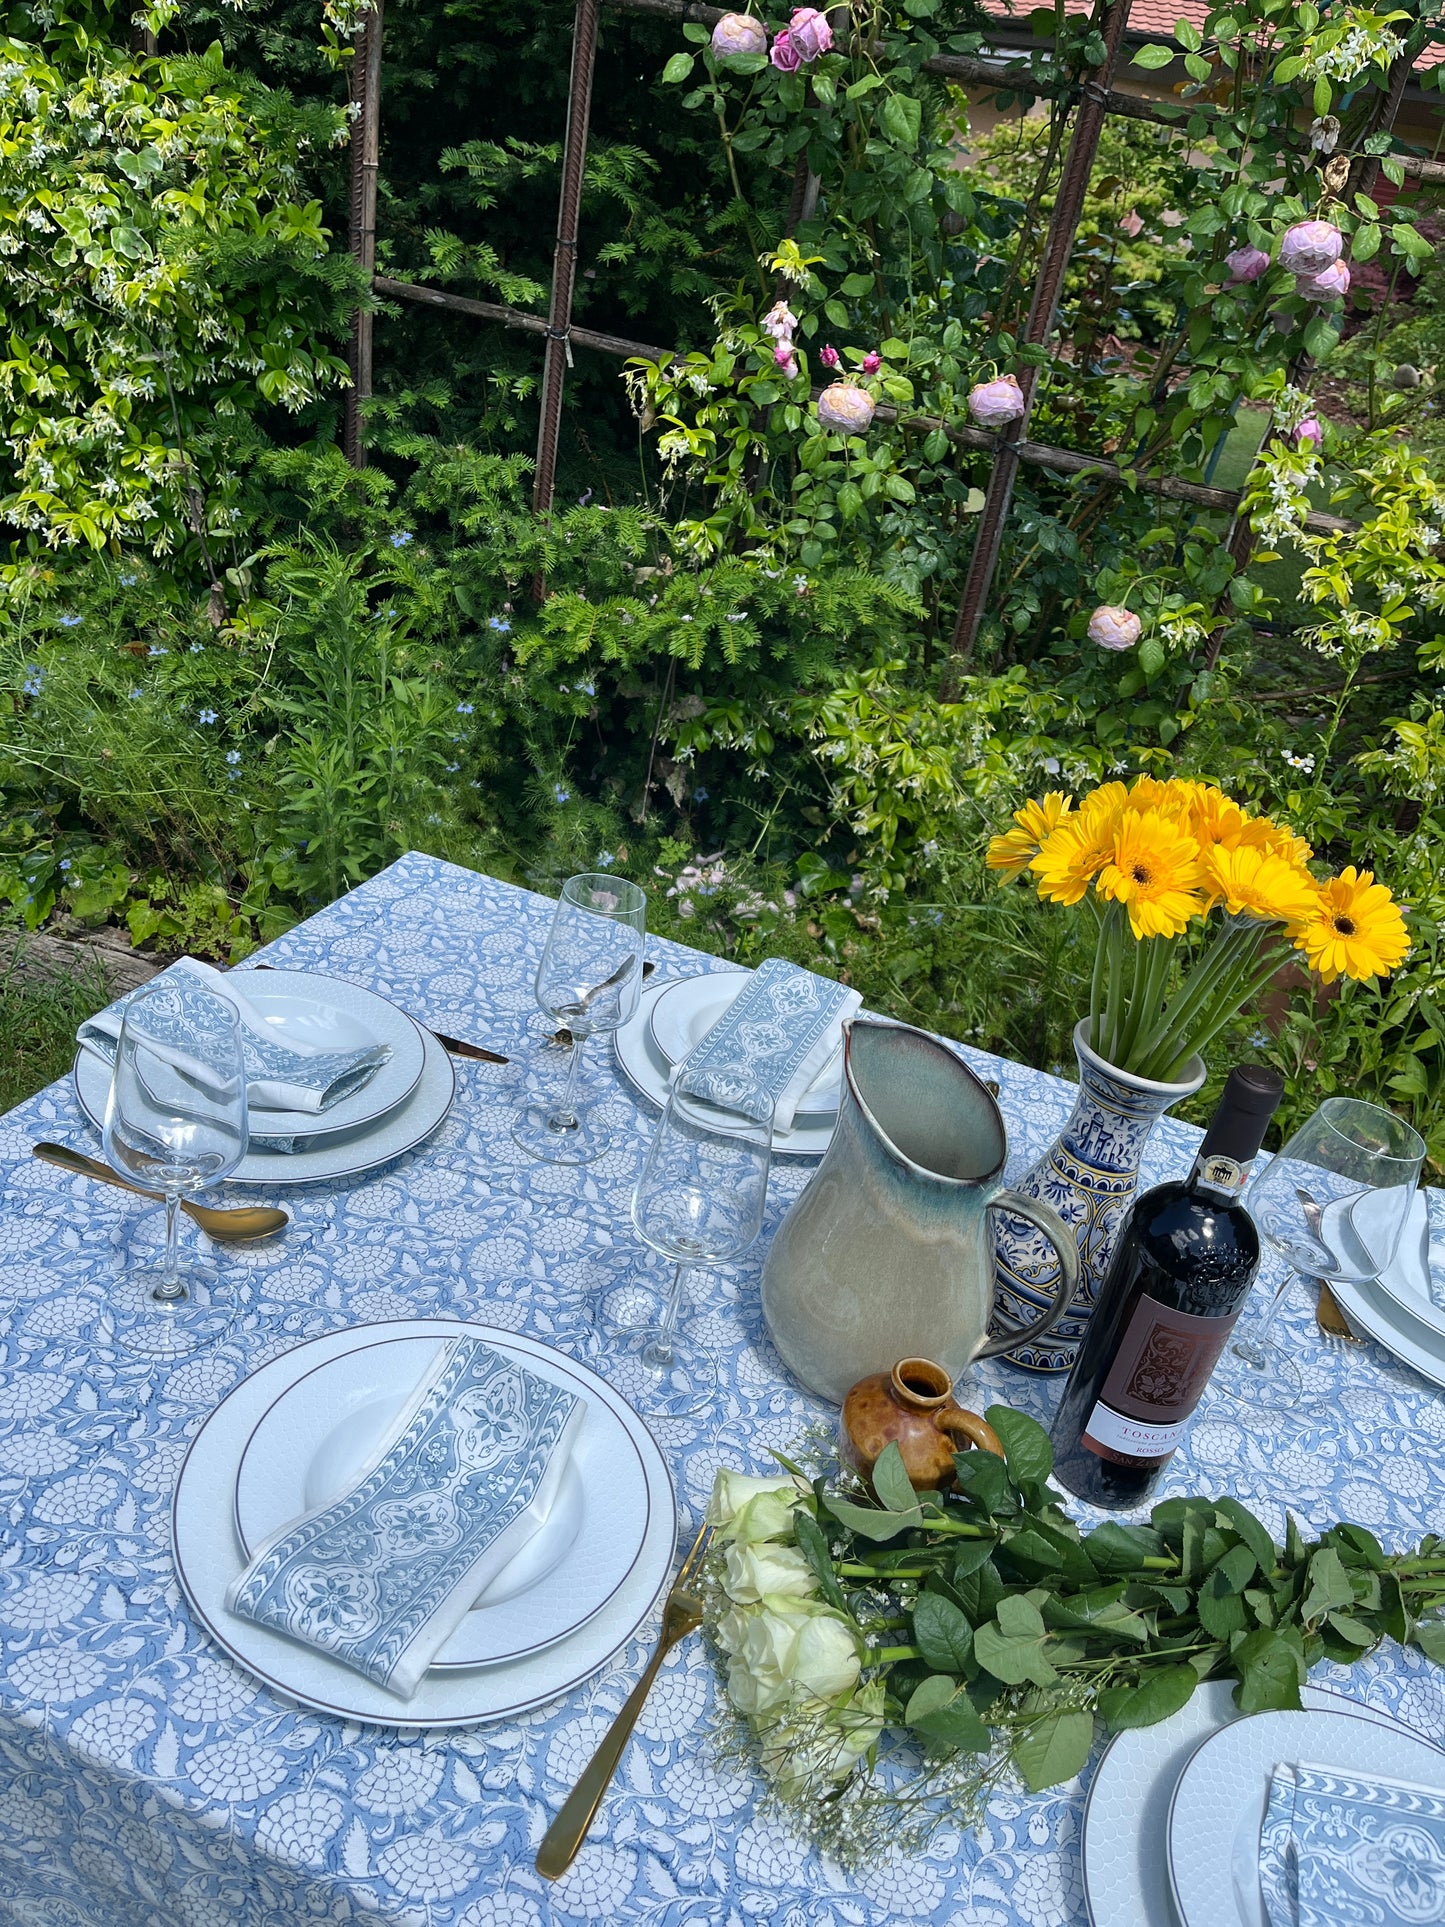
column 144, row 1779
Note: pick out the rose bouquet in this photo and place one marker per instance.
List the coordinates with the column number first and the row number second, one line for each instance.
column 893, row 1654
column 1198, row 904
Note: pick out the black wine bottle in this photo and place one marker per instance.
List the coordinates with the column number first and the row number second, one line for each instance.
column 1183, row 1266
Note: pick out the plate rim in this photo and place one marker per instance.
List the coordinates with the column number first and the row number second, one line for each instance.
column 833, row 1066
column 1325, row 1712
column 1429, row 1314
column 1358, row 1303
column 399, row 1720
column 495, row 1659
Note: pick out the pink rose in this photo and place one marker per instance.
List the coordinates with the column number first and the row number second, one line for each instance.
column 1330, row 284
column 872, row 362
column 783, row 358
column 780, row 322
column 993, row 404
column 739, row 33
column 1114, row 628
column 1310, row 246
column 1246, row 264
column 1309, row 434
column 846, row 408
column 809, row 33
column 830, row 357
column 785, row 56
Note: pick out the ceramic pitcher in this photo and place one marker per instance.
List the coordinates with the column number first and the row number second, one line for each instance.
column 889, row 1251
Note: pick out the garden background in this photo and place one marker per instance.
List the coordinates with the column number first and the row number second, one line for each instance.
column 239, row 673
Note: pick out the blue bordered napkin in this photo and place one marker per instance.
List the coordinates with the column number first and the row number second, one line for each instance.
column 776, row 1035
column 381, row 1578
column 1338, row 1848
column 279, row 1076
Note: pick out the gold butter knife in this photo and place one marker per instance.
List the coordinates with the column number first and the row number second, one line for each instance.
column 680, row 1616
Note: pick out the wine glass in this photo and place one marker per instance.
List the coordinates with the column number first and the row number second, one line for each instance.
column 589, row 979
column 175, row 1120
column 1332, row 1204
column 698, row 1201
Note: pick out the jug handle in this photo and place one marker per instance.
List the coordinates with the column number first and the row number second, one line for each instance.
column 1047, row 1220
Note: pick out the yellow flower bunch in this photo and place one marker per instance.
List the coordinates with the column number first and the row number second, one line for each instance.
column 1171, row 851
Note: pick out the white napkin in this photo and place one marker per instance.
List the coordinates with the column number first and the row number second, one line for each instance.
column 381, row 1578
column 280, row 1076
column 777, row 1035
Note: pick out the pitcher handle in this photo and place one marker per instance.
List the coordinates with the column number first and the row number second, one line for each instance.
column 1046, row 1219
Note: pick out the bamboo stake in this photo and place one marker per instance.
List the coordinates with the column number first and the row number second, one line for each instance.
column 365, row 162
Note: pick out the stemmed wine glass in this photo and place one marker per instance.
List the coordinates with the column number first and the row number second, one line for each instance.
column 176, row 1121
column 698, row 1201
column 589, row 979
column 1332, row 1204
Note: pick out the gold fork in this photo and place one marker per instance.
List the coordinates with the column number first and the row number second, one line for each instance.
column 1330, row 1319
column 680, row 1616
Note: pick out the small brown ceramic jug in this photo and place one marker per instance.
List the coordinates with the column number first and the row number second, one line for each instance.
column 912, row 1407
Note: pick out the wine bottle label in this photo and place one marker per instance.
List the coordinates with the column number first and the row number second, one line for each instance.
column 1158, row 1374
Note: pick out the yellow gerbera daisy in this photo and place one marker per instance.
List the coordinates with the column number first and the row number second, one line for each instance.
column 1216, row 818
column 1357, row 929
column 1016, row 849
column 1154, row 869
column 1073, row 856
column 1263, row 834
column 1257, row 883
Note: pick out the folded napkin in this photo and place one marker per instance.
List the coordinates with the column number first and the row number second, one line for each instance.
column 279, row 1076
column 381, row 1578
column 1339, row 1847
column 778, row 1033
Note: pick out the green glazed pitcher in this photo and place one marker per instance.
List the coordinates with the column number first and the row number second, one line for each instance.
column 888, row 1252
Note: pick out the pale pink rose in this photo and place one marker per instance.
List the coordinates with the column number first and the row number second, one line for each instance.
column 1309, row 434
column 785, row 56
column 872, row 362
column 739, row 33
column 993, row 404
column 1114, row 628
column 780, row 322
column 809, row 33
column 846, row 408
column 1309, row 246
column 1132, row 223
column 1246, row 264
column 1330, row 284
column 783, row 358
column 830, row 357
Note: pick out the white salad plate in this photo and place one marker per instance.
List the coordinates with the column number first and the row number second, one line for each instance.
column 1220, row 1798
column 339, row 1154
column 208, row 1553
column 685, row 1012
column 649, row 1073
column 318, row 1437
column 1126, row 1815
column 1415, row 1277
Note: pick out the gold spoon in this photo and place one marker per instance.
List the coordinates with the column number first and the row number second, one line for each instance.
column 228, row 1227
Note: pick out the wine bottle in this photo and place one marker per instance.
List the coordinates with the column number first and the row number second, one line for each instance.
column 1181, row 1271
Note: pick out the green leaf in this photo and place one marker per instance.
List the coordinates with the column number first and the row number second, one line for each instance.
column 1233, row 1572
column 1014, row 1661
column 942, row 1634
column 1020, row 1618
column 891, row 1482
column 1222, row 1614
column 813, row 1544
column 1101, row 1610
column 1429, row 1636
column 1364, row 1544
column 983, row 1478
column 1054, row 1749
column 865, row 85
column 1188, row 35
column 1027, row 1452
column 1151, row 655
column 979, row 1591
column 1114, row 1547
column 1250, row 1530
column 678, row 68
column 1153, row 56
column 1320, row 336
column 1323, row 95
column 1354, row 1630
column 1197, row 67
column 1032, row 1553
column 972, row 1554
column 1158, row 1694
column 857, row 284
column 941, row 1711
column 1270, row 1670
column 1366, row 244
column 1329, row 1585
column 868, row 1524
column 903, row 119
column 1392, row 171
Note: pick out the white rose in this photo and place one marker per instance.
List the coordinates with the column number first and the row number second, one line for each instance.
column 792, row 1646
column 734, row 1492
column 825, row 1660
column 730, row 1629
column 796, row 1765
column 758, row 1676
column 752, row 1571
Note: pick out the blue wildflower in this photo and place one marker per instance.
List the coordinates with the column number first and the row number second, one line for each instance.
column 206, row 716
column 71, row 622
column 135, row 695
column 400, row 538
column 500, row 624
column 196, row 648
column 588, row 688
column 605, row 859
column 157, row 649
column 464, row 709
column 233, row 756
column 452, row 768
column 561, row 795
column 34, row 679
column 127, row 581
column 65, row 863
column 699, row 795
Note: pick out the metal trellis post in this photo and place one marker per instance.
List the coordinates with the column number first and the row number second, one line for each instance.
column 365, row 160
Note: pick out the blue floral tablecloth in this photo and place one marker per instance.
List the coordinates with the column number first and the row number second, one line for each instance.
column 145, row 1780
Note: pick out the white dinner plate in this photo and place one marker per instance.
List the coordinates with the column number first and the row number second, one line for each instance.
column 1374, row 1312
column 1220, row 1798
column 208, row 1555
column 686, row 1011
column 648, row 1071
column 1125, row 1827
column 312, row 1444
column 1415, row 1277
column 340, row 1154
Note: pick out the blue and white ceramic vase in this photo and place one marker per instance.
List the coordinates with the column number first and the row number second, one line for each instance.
column 1089, row 1175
